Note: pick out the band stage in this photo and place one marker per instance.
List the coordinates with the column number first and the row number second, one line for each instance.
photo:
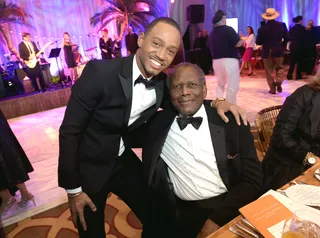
column 32, row 103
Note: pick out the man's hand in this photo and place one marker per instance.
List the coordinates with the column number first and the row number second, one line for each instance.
column 208, row 228
column 76, row 206
column 238, row 112
column 32, row 56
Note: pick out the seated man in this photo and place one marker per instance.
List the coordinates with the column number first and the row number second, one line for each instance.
column 197, row 166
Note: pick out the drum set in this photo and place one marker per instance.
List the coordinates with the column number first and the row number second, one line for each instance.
column 91, row 53
column 81, row 60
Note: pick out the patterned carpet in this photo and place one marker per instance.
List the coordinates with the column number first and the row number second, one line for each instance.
column 120, row 222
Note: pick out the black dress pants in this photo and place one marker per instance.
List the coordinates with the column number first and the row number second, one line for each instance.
column 296, row 58
column 127, row 182
column 33, row 74
column 185, row 219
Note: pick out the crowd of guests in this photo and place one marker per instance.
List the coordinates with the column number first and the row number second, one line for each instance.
column 303, row 51
column 273, row 37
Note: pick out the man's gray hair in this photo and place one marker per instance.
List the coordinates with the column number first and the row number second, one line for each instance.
column 199, row 71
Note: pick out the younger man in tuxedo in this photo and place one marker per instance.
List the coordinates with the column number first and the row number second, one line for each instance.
column 197, row 166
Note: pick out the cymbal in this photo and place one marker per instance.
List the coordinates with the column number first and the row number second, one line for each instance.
column 92, row 48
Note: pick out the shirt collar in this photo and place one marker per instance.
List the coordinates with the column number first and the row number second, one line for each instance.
column 135, row 70
column 27, row 43
column 200, row 113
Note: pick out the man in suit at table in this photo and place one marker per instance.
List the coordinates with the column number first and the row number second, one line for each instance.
column 28, row 51
column 197, row 166
column 110, row 99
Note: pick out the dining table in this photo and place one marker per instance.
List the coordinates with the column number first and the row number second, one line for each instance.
column 307, row 177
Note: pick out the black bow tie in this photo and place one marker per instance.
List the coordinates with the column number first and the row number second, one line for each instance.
column 195, row 122
column 148, row 83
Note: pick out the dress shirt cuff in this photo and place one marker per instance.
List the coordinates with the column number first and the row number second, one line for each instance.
column 72, row 191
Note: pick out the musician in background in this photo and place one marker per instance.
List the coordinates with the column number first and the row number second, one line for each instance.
column 29, row 52
column 105, row 45
column 69, row 56
column 131, row 41
column 12, row 76
column 117, row 46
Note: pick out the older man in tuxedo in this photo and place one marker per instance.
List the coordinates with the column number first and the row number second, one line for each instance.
column 110, row 99
column 197, row 166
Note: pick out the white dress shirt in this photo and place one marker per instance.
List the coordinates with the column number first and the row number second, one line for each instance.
column 29, row 46
column 142, row 99
column 250, row 41
column 191, row 161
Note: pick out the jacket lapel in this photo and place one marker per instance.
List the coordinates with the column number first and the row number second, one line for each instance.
column 125, row 78
column 159, row 89
column 163, row 126
column 315, row 120
column 219, row 145
column 151, row 110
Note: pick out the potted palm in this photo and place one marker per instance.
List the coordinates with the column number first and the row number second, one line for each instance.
column 11, row 13
column 136, row 13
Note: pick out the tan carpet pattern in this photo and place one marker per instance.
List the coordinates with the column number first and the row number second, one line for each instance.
column 120, row 222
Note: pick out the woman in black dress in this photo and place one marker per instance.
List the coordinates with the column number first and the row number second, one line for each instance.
column 14, row 169
column 105, row 44
column 69, row 56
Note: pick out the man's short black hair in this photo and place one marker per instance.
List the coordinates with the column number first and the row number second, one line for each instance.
column 166, row 20
column 25, row 34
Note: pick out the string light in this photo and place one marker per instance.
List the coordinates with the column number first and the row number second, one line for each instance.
column 52, row 38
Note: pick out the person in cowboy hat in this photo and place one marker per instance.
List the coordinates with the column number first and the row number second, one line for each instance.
column 273, row 37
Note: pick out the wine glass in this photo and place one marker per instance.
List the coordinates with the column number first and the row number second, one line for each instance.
column 303, row 224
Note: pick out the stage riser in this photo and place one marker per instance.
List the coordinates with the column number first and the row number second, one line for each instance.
column 35, row 103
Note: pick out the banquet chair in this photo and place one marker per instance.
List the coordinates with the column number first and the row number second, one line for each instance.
column 265, row 122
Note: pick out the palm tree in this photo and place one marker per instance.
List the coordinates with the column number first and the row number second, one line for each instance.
column 11, row 13
column 136, row 13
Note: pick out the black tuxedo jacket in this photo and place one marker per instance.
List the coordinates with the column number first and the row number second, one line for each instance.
column 273, row 36
column 242, row 175
column 297, row 35
column 24, row 51
column 96, row 118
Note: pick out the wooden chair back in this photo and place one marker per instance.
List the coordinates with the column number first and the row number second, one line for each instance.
column 265, row 122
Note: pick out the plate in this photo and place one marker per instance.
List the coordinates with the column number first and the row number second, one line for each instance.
column 317, row 175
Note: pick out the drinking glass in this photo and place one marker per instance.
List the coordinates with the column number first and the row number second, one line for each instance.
column 303, row 224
